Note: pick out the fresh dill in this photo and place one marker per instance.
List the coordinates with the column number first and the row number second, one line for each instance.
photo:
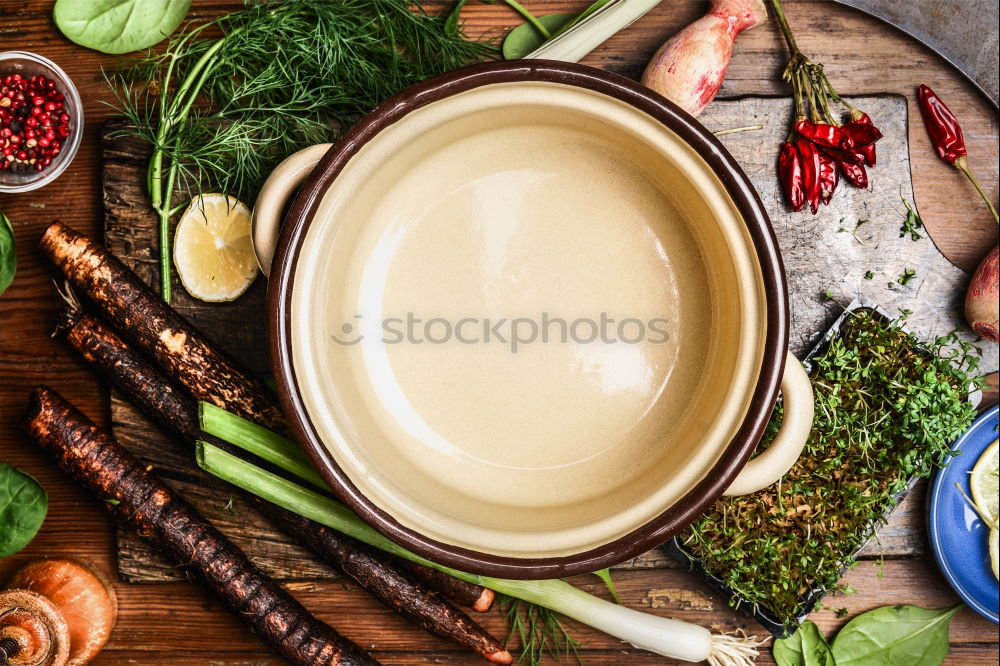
column 229, row 99
column 886, row 410
column 540, row 632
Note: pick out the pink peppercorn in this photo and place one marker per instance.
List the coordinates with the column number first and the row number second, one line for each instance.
column 33, row 122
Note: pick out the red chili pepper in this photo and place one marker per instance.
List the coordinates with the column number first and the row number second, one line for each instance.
column 864, row 134
column 790, row 173
column 946, row 134
column 848, row 156
column 824, row 134
column 829, row 177
column 809, row 157
column 943, row 127
column 856, row 174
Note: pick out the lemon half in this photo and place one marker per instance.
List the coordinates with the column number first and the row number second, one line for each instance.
column 213, row 248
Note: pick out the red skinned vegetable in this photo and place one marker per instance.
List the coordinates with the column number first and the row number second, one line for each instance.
column 790, row 171
column 809, row 157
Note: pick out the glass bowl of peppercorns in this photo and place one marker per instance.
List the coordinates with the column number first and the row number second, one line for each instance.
column 41, row 121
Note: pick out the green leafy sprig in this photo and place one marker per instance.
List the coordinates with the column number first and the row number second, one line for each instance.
column 230, row 98
column 886, row 411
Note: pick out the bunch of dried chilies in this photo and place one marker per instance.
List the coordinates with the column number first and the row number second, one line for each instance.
column 819, row 148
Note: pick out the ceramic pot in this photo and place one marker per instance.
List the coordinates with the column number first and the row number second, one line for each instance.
column 529, row 319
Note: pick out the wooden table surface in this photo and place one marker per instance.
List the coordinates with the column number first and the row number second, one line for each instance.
column 178, row 624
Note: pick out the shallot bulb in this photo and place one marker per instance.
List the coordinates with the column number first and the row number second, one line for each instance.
column 982, row 300
column 689, row 68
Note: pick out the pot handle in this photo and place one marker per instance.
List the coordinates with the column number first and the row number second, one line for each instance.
column 771, row 465
column 277, row 189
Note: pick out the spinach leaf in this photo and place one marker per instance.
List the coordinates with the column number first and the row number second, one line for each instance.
column 806, row 647
column 118, row 26
column 895, row 636
column 525, row 38
column 23, row 504
column 8, row 253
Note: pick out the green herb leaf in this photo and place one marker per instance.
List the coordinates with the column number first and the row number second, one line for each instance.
column 895, row 636
column 8, row 253
column 605, row 575
column 23, row 504
column 911, row 223
column 806, row 647
column 869, row 275
column 907, row 275
column 118, row 26
column 525, row 38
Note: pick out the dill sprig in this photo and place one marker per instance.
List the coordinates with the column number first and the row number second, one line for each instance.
column 886, row 410
column 229, row 99
column 539, row 631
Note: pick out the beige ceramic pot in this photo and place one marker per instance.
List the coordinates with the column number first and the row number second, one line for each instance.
column 529, row 319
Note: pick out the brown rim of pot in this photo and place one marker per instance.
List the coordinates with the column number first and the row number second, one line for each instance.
column 739, row 450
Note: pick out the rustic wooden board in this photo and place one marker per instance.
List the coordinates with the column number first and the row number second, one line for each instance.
column 177, row 624
column 818, row 257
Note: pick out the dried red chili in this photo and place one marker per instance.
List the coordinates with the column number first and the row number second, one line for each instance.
column 855, row 173
column 946, row 135
column 846, row 155
column 829, row 177
column 864, row 134
column 809, row 156
column 941, row 124
column 790, row 172
column 824, row 134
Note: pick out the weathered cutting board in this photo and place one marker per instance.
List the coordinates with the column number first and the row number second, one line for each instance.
column 819, row 258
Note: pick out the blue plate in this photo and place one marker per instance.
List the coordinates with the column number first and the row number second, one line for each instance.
column 957, row 534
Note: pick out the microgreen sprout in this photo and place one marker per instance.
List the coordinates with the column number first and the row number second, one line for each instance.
column 886, row 410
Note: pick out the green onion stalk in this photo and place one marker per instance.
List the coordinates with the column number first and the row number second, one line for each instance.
column 666, row 636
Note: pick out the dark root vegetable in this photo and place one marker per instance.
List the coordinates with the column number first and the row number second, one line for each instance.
column 476, row 597
column 95, row 460
column 174, row 345
column 32, row 630
column 177, row 413
column 84, row 597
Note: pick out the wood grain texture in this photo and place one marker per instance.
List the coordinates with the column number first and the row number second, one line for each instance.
column 175, row 623
column 130, row 232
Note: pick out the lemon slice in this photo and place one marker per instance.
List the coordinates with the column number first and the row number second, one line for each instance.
column 983, row 482
column 994, row 546
column 213, row 249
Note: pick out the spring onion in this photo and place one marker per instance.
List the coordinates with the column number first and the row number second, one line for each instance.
column 664, row 636
column 588, row 32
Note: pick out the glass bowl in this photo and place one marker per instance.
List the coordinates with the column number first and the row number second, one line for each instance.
column 27, row 65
